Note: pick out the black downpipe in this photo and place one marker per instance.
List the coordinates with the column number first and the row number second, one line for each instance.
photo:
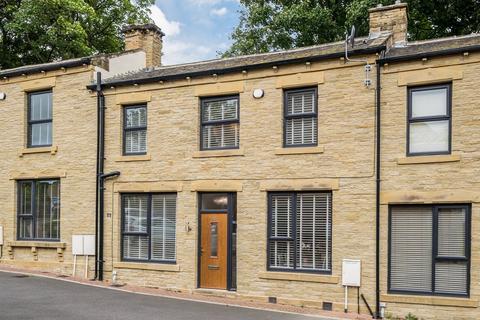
column 98, row 89
column 377, row 195
column 101, row 177
column 99, row 188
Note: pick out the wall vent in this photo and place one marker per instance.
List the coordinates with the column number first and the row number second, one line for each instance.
column 327, row 306
column 272, row 299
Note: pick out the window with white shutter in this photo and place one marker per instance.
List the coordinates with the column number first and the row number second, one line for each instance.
column 299, row 228
column 148, row 227
column 429, row 120
column 220, row 124
column 135, row 130
column 300, row 124
column 429, row 250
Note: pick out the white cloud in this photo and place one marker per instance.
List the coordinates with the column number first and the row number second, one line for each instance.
column 205, row 2
column 219, row 12
column 210, row 2
column 170, row 28
column 176, row 52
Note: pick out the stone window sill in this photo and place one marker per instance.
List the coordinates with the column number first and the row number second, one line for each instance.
column 147, row 266
column 36, row 244
column 300, row 150
column 52, row 150
column 133, row 158
column 292, row 276
column 430, row 300
column 219, row 153
column 429, row 159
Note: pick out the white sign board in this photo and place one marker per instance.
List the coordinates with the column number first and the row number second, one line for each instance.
column 1, row 236
column 89, row 245
column 77, row 245
column 83, row 245
column 351, row 273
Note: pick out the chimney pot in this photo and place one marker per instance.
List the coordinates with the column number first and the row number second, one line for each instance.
column 146, row 37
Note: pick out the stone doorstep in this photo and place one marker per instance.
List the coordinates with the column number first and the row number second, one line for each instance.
column 198, row 295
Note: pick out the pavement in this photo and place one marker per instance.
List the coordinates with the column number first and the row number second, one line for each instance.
column 25, row 297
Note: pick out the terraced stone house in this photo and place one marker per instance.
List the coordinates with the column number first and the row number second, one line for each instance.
column 258, row 177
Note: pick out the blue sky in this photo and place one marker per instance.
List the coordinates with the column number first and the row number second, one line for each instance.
column 195, row 29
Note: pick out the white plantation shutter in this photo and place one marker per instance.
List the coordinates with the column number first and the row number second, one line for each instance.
column 313, row 231
column 300, row 118
column 308, row 247
column 157, row 241
column 220, row 123
column 301, row 131
column 281, row 251
column 221, row 136
column 135, row 246
column 136, row 141
column 411, row 249
column 135, row 130
column 163, row 227
column 451, row 276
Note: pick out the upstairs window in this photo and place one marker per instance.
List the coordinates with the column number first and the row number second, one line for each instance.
column 38, row 210
column 300, row 123
column 429, row 250
column 300, row 232
column 429, row 120
column 40, row 119
column 220, row 123
column 135, row 130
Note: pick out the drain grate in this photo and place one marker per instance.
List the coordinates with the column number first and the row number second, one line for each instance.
column 20, row 276
column 62, row 276
column 117, row 285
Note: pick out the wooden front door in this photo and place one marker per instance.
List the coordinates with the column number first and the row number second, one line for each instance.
column 214, row 251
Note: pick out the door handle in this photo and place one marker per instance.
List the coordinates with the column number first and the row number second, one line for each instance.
column 213, row 267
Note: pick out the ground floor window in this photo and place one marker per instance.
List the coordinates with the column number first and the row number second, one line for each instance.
column 429, row 249
column 300, row 231
column 38, row 210
column 148, row 227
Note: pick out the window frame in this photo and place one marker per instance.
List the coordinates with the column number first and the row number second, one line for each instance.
column 286, row 117
column 138, row 128
column 293, row 232
column 149, row 227
column 30, row 122
column 33, row 216
column 203, row 124
column 411, row 119
column 435, row 258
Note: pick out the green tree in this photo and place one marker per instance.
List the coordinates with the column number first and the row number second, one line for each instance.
column 267, row 25
column 39, row 31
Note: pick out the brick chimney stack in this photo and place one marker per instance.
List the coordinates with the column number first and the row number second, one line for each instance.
column 147, row 37
column 391, row 18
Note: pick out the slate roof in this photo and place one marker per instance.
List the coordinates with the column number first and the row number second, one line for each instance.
column 225, row 65
column 36, row 68
column 427, row 48
column 373, row 44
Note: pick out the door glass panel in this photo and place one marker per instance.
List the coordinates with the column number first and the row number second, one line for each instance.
column 214, row 201
column 214, row 239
